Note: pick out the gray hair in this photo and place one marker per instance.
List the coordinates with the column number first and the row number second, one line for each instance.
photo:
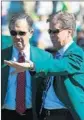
column 65, row 19
column 19, row 16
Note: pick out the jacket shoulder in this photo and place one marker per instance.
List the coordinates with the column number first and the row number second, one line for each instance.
column 40, row 52
column 6, row 54
column 76, row 50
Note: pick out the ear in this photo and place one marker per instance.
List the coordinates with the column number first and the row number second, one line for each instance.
column 70, row 32
column 31, row 33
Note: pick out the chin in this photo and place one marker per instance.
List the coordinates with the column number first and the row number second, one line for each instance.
column 20, row 48
column 55, row 46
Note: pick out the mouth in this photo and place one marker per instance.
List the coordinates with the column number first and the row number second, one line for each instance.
column 54, row 41
column 18, row 44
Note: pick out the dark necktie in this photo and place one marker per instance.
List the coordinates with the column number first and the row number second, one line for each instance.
column 20, row 90
column 48, row 84
column 58, row 55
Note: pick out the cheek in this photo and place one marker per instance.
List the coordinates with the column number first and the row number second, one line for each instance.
column 14, row 39
column 63, row 36
column 25, row 39
column 60, row 37
column 27, row 36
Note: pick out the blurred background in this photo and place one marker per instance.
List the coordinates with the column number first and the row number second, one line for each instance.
column 40, row 12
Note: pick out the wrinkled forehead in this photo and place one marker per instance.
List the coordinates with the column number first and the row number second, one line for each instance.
column 20, row 24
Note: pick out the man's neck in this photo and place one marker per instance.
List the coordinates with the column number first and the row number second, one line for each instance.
column 65, row 47
column 25, row 48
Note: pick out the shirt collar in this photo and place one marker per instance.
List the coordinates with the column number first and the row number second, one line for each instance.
column 25, row 52
column 62, row 50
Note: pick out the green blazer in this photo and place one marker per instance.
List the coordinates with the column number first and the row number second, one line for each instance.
column 69, row 81
column 36, row 55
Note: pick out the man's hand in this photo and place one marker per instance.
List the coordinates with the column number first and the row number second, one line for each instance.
column 19, row 67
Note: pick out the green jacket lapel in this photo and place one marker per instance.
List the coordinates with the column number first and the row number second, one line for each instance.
column 70, row 49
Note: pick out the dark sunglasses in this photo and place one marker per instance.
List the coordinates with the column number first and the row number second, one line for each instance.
column 56, row 31
column 14, row 33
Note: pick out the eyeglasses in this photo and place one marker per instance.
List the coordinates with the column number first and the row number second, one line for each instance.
column 14, row 33
column 56, row 31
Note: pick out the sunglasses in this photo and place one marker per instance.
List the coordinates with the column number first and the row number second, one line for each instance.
column 56, row 31
column 14, row 33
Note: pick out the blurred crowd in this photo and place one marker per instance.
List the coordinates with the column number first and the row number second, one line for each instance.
column 40, row 11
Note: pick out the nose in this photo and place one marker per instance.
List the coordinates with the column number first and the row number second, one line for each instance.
column 17, row 36
column 52, row 34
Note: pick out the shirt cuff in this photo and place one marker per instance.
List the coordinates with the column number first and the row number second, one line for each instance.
column 32, row 66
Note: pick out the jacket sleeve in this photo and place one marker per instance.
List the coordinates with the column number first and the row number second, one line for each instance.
column 69, row 64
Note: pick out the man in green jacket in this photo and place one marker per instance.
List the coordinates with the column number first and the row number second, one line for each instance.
column 65, row 91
